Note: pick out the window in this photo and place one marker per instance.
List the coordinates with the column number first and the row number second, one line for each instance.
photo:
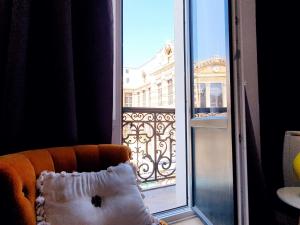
column 159, row 95
column 211, row 127
column 216, row 96
column 170, row 92
column 144, row 75
column 202, row 95
column 138, row 99
column 144, row 98
column 204, row 20
column 149, row 97
column 128, row 100
column 199, row 95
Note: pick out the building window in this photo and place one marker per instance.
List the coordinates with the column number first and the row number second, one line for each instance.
column 159, row 94
column 170, row 92
column 144, row 75
column 128, row 99
column 144, row 98
column 149, row 97
column 202, row 95
column 138, row 99
column 216, row 97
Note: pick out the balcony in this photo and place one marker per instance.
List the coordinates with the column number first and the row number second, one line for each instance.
column 150, row 133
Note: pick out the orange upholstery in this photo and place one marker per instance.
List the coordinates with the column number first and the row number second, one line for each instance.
column 18, row 173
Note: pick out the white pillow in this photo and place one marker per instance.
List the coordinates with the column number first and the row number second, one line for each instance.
column 108, row 197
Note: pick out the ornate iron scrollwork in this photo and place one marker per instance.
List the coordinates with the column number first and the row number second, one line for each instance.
column 150, row 133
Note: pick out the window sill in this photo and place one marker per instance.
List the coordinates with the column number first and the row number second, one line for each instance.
column 176, row 215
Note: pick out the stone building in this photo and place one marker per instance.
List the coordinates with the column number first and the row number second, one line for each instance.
column 153, row 83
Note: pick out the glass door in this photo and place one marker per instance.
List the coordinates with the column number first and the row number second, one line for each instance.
column 210, row 119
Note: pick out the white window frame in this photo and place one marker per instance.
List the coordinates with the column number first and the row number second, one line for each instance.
column 117, row 73
column 244, row 80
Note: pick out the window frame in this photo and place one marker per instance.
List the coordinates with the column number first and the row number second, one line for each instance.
column 244, row 79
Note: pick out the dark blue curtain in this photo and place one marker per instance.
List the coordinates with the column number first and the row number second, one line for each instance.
column 56, row 73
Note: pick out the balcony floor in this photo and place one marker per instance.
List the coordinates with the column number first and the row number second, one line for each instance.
column 161, row 199
column 164, row 198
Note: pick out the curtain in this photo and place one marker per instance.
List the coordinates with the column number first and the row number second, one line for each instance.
column 56, row 73
column 260, row 212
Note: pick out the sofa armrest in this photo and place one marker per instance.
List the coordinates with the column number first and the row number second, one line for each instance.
column 17, row 193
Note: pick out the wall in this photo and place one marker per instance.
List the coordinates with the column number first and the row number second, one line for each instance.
column 279, row 92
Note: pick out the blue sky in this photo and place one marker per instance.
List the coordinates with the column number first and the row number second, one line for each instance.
column 209, row 26
column 148, row 24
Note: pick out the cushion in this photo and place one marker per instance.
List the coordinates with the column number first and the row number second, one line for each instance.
column 107, row 197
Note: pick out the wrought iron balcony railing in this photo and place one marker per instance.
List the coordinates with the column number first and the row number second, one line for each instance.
column 150, row 133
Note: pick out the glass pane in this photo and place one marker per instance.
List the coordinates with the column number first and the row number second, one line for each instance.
column 209, row 70
column 213, row 181
column 216, row 99
column 213, row 185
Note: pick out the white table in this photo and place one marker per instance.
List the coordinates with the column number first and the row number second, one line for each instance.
column 291, row 196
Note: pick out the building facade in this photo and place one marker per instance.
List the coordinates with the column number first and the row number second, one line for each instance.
column 152, row 85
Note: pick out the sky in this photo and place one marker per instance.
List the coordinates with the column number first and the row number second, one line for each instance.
column 209, row 34
column 149, row 24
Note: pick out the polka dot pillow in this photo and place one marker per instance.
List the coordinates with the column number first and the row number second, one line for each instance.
column 107, row 197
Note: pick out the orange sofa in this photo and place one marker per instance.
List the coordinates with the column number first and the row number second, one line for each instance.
column 18, row 173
